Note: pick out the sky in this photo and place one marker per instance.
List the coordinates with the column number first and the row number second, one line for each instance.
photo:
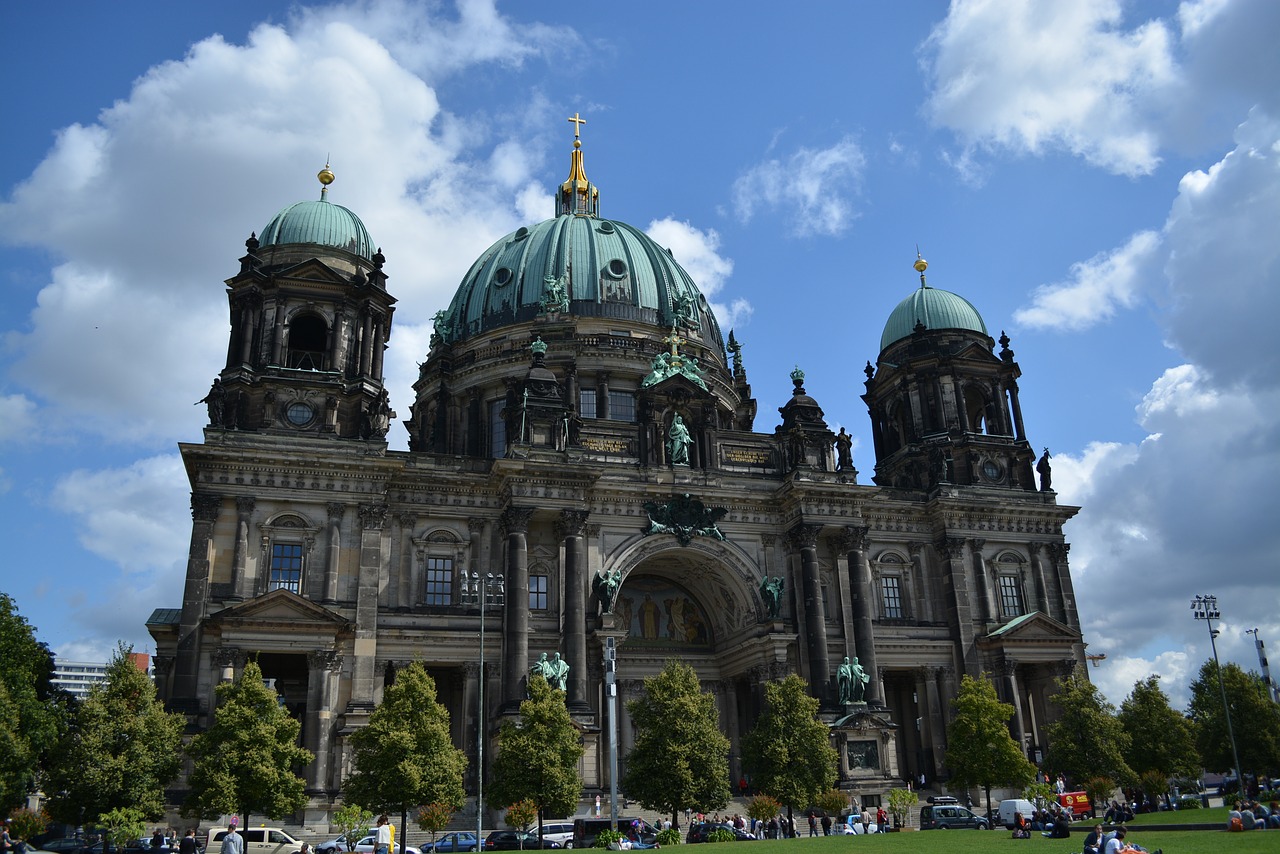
column 1101, row 179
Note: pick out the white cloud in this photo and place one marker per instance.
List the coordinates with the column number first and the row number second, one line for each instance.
column 1096, row 288
column 698, row 252
column 811, row 189
column 17, row 418
column 1031, row 77
column 151, row 204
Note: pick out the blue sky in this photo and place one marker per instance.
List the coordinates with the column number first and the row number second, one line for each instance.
column 1100, row 178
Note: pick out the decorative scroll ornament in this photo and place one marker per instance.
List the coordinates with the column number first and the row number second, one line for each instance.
column 685, row 517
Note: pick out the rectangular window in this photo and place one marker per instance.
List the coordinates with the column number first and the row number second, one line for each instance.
column 891, row 597
column 586, row 403
column 537, row 593
column 1010, row 596
column 286, row 567
column 622, row 406
column 439, row 581
column 497, row 430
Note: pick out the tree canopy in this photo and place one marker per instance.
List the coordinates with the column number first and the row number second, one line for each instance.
column 789, row 753
column 32, row 713
column 680, row 758
column 405, row 756
column 980, row 749
column 122, row 750
column 1087, row 740
column 247, row 761
column 1160, row 739
column 538, row 757
column 1254, row 717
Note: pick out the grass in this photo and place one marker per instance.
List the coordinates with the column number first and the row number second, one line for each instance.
column 1000, row 842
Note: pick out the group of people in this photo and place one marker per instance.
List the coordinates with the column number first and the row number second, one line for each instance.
column 1113, row 842
column 1252, row 815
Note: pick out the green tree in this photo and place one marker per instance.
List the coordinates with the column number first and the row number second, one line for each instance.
column 352, row 821
column 405, row 756
column 1160, row 739
column 1087, row 739
column 122, row 824
column 681, row 758
column 122, row 750
column 247, row 761
column 763, row 807
column 789, row 753
column 980, row 750
column 538, row 759
column 900, row 803
column 1254, row 718
column 520, row 815
column 33, row 714
column 435, row 817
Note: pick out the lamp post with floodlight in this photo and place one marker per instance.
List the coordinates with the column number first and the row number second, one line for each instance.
column 482, row 592
column 1206, row 608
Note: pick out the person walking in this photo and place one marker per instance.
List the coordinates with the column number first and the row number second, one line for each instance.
column 233, row 842
column 188, row 843
column 382, row 843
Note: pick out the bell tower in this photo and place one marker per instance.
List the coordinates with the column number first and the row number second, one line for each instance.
column 944, row 407
column 310, row 321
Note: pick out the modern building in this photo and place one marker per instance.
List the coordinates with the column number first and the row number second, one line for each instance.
column 77, row 677
column 583, row 434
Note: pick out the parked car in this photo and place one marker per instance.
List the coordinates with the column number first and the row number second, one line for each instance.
column 257, row 840
column 699, row 831
column 585, row 830
column 559, row 831
column 453, row 842
column 367, row 844
column 65, row 845
column 342, row 843
column 515, row 840
column 947, row 816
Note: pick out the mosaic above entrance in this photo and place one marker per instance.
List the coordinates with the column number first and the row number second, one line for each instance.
column 656, row 612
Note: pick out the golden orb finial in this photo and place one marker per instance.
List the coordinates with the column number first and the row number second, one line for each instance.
column 920, row 266
column 325, row 175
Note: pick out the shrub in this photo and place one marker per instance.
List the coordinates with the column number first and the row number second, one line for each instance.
column 763, row 807
column 721, row 834
column 605, row 838
column 1189, row 803
column 900, row 803
column 25, row 823
column 670, row 836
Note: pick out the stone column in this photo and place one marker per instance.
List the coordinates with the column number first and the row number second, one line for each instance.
column 406, row 595
column 195, row 594
column 515, row 638
column 937, row 722
column 805, row 539
column 1038, row 577
column 863, row 632
column 729, row 697
column 1058, row 555
column 955, row 582
column 1007, row 669
column 322, row 666
column 372, row 519
column 570, row 529
column 922, row 602
column 1020, row 432
column 162, row 667
column 240, row 559
column 333, row 552
column 980, row 580
column 470, row 711
column 379, row 347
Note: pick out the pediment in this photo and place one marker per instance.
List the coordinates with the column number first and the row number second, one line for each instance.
column 977, row 353
column 280, row 608
column 677, row 386
column 1031, row 630
column 864, row 719
column 313, row 270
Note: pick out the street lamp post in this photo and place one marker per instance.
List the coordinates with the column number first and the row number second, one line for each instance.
column 1206, row 608
column 482, row 592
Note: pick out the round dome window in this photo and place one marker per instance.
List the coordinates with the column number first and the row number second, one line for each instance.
column 522, row 233
column 617, row 268
column 502, row 277
column 606, row 227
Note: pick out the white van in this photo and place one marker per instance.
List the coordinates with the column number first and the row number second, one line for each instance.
column 257, row 840
column 1015, row 805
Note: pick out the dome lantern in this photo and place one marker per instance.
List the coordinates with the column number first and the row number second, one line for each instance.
column 578, row 196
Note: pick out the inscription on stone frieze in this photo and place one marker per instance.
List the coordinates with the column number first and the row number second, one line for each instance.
column 745, row 456
column 605, row 446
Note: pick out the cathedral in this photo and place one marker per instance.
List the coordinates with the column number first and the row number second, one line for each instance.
column 586, row 465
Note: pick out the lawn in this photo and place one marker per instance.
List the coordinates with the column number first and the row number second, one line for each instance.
column 1000, row 842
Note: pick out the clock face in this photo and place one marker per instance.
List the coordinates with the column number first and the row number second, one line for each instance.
column 299, row 413
column 991, row 469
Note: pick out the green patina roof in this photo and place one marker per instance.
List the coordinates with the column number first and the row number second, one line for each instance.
column 1013, row 624
column 165, row 617
column 936, row 309
column 319, row 222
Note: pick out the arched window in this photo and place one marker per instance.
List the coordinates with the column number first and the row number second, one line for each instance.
column 975, row 407
column 308, row 337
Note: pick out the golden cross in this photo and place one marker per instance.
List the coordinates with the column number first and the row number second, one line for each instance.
column 577, row 124
column 675, row 341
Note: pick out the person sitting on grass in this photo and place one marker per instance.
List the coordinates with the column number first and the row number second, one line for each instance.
column 1093, row 842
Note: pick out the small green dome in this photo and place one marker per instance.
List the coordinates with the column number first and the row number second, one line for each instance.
column 322, row 223
column 934, row 308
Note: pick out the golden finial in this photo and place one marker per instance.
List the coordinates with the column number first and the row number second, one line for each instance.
column 920, row 266
column 326, row 177
column 578, row 122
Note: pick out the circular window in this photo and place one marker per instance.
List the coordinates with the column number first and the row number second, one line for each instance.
column 617, row 267
column 991, row 469
column 502, row 277
column 299, row 413
column 522, row 233
column 606, row 227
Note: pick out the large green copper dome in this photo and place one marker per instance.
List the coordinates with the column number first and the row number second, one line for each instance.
column 936, row 309
column 319, row 222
